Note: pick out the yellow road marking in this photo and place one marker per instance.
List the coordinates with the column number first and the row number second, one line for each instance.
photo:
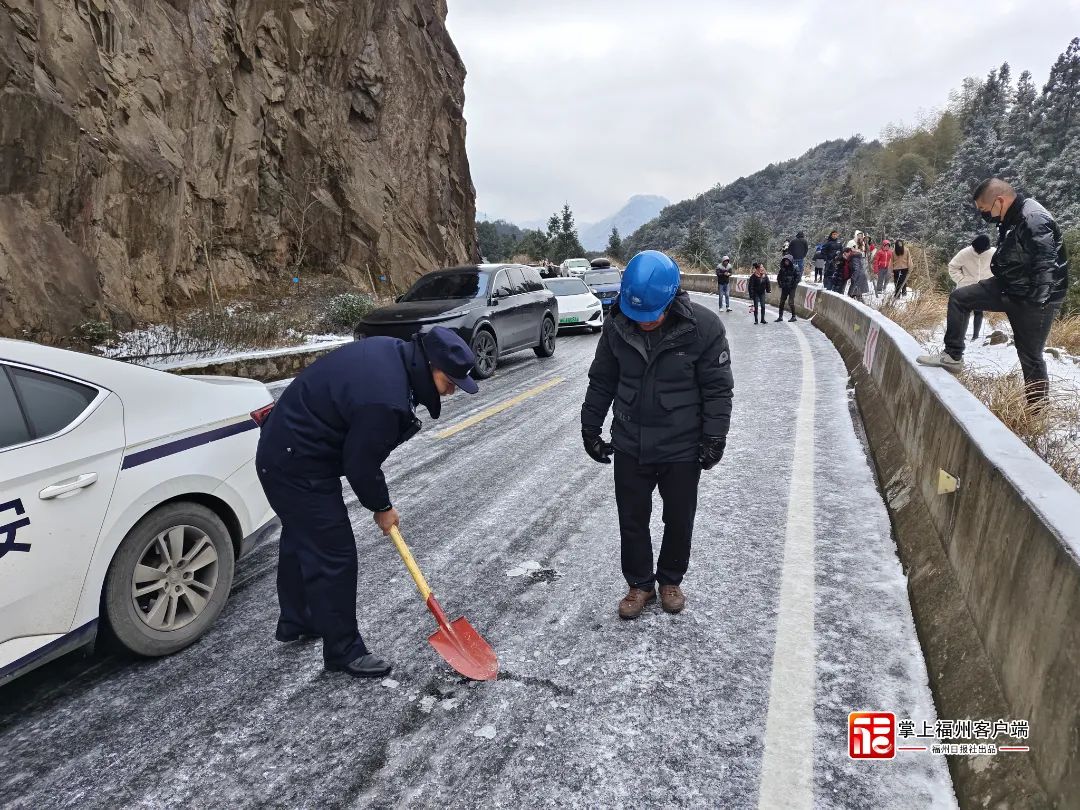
column 494, row 409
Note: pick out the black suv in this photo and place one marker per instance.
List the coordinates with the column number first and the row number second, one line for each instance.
column 496, row 308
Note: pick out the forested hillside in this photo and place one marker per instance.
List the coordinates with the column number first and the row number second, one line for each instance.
column 915, row 184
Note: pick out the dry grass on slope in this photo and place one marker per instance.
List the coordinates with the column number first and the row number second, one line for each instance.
column 1052, row 431
column 1065, row 334
column 920, row 313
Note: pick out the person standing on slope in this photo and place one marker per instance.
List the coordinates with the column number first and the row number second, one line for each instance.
column 860, row 284
column 830, row 251
column 723, row 280
column 970, row 266
column 788, row 277
column 819, row 264
column 1030, row 278
column 663, row 362
column 900, row 265
column 797, row 249
column 881, row 266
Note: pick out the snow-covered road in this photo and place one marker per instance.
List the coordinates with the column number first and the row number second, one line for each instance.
column 589, row 711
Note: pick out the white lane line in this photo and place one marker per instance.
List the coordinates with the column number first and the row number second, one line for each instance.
column 787, row 769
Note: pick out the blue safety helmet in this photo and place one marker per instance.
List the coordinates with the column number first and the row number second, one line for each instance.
column 649, row 284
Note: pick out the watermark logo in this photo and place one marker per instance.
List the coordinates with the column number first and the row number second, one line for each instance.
column 871, row 735
column 875, row 735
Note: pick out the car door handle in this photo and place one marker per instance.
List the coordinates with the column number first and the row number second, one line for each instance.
column 64, row 487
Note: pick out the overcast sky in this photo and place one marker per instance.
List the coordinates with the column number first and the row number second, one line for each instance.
column 591, row 101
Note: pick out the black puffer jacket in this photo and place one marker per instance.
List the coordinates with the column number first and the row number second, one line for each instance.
column 797, row 247
column 758, row 285
column 831, row 249
column 1030, row 263
column 788, row 276
column 666, row 399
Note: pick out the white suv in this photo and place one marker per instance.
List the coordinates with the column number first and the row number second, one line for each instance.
column 574, row 267
column 125, row 492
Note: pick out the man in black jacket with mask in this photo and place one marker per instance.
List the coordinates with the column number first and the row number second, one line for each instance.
column 664, row 363
column 343, row 415
column 1030, row 278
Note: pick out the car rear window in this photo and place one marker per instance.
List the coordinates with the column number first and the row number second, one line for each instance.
column 567, row 286
column 50, row 403
column 13, row 427
column 603, row 277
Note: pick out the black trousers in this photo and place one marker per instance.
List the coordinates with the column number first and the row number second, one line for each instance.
column 759, row 302
column 1030, row 324
column 819, row 273
column 317, row 566
column 787, row 297
column 634, row 485
column 900, row 282
column 976, row 326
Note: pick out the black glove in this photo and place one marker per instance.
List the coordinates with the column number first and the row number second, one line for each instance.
column 710, row 451
column 596, row 447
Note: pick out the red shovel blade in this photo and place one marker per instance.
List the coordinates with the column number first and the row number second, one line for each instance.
column 462, row 647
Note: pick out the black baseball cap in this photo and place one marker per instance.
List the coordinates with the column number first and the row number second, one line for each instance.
column 451, row 355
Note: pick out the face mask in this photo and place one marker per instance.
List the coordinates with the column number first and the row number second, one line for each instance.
column 988, row 216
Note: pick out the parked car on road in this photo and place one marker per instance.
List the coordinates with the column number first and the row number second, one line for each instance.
column 126, row 496
column 497, row 309
column 604, row 284
column 574, row 267
column 578, row 307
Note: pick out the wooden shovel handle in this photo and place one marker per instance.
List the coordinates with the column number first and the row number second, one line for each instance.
column 410, row 563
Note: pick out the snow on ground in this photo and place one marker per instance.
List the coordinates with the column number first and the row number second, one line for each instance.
column 159, row 346
column 588, row 711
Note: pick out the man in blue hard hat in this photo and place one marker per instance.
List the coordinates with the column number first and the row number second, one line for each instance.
column 342, row 416
column 664, row 363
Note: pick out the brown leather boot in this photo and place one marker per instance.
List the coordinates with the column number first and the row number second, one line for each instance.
column 672, row 599
column 634, row 602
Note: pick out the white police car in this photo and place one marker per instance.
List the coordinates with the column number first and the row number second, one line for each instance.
column 126, row 495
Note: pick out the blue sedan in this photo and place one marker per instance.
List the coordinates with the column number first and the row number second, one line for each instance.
column 604, row 284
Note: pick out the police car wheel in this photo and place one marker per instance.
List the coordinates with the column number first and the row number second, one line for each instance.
column 547, row 339
column 169, row 579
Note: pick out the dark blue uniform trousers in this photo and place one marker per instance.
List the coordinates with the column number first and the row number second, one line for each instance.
column 317, row 565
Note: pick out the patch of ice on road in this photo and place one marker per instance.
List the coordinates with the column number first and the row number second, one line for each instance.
column 516, row 572
column 563, row 662
column 427, row 703
column 448, row 704
column 486, row 733
column 531, row 565
column 390, row 683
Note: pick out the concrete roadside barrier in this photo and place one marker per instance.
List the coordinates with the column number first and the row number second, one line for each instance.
column 989, row 536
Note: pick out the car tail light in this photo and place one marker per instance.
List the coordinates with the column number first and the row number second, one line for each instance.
column 260, row 415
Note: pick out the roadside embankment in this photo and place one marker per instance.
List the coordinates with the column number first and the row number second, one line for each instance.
column 993, row 566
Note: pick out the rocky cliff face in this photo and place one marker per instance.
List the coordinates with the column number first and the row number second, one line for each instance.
column 151, row 149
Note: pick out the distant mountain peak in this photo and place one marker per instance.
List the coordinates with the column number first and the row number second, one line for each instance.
column 638, row 210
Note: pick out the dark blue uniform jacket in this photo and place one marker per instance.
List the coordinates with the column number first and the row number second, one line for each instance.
column 346, row 412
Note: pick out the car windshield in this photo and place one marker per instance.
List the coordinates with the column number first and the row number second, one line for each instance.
column 577, row 263
column 603, row 277
column 567, row 286
column 441, row 286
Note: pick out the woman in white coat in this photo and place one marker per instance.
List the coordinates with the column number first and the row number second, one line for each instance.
column 972, row 265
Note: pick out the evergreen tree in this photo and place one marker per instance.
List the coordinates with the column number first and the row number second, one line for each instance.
column 563, row 237
column 696, row 247
column 753, row 241
column 1015, row 157
column 1057, row 136
column 535, row 245
column 614, row 245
